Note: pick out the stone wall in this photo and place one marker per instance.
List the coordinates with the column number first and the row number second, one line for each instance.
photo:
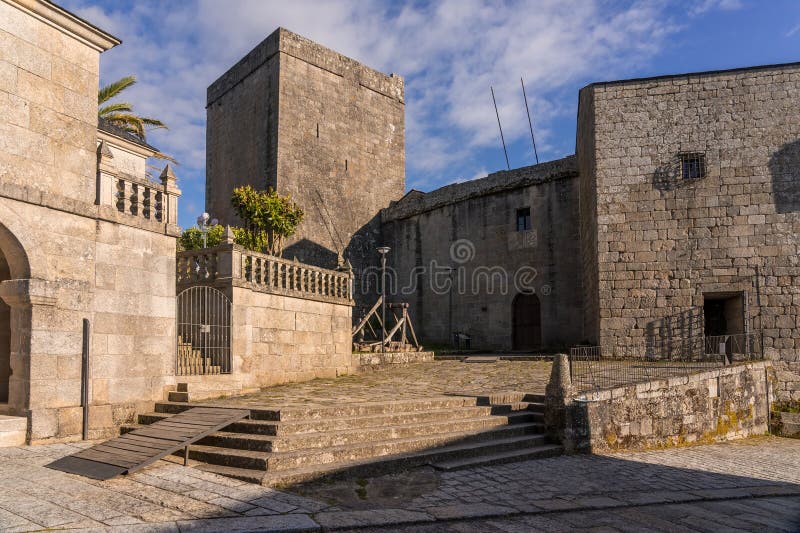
column 664, row 241
column 289, row 321
column 319, row 126
column 279, row 339
column 471, row 227
column 69, row 258
column 722, row 404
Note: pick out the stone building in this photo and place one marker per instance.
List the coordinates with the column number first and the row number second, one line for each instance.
column 307, row 121
column 494, row 260
column 83, row 235
column 676, row 219
column 690, row 210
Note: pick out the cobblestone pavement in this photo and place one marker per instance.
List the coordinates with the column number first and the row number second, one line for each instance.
column 408, row 382
column 751, row 485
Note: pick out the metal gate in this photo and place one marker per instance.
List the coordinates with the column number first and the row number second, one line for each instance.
column 204, row 332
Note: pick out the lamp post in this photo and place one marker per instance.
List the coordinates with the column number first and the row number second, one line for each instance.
column 204, row 224
column 383, row 250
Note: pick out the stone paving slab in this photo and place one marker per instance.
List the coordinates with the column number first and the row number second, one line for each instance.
column 405, row 383
column 752, row 485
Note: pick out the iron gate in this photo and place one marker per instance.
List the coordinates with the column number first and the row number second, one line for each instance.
column 204, row 332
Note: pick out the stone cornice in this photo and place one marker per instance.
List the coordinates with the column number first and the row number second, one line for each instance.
column 67, row 23
column 105, row 213
column 21, row 293
column 124, row 144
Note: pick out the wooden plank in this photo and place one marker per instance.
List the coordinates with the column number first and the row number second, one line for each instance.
column 86, row 468
column 181, row 425
column 133, row 446
column 144, row 446
column 166, row 432
column 122, row 454
column 101, row 457
column 146, row 440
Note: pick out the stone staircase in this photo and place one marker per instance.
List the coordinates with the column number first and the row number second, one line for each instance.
column 191, row 361
column 298, row 444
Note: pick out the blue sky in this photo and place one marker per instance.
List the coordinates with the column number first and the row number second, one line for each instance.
column 449, row 52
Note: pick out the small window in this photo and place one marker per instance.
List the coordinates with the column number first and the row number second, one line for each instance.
column 693, row 165
column 524, row 219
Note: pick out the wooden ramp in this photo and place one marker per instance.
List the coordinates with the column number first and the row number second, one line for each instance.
column 141, row 447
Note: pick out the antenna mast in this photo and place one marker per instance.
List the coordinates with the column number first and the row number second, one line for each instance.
column 501, row 128
column 530, row 122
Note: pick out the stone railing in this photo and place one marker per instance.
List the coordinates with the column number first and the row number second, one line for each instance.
column 139, row 196
column 233, row 265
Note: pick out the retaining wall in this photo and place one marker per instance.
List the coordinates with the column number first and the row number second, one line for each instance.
column 721, row 404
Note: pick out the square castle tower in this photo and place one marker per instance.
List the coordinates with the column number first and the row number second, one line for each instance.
column 309, row 122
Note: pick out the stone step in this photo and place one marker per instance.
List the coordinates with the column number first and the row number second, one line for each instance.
column 13, row 430
column 173, row 408
column 510, row 397
column 538, row 452
column 311, row 441
column 266, row 427
column 505, row 437
column 343, row 410
column 177, row 396
column 374, row 466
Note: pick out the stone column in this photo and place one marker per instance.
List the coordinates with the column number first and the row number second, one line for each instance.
column 171, row 195
column 558, row 395
column 26, row 297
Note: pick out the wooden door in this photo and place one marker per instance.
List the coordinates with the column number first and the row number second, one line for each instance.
column 527, row 322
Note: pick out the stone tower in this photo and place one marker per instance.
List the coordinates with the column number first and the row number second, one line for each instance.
column 312, row 123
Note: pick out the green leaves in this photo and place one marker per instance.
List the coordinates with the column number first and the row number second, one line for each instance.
column 268, row 218
column 121, row 114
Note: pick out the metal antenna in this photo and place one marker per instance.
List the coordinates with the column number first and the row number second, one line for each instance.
column 501, row 128
column 530, row 122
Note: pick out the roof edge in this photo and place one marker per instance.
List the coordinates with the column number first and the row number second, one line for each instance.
column 68, row 23
column 697, row 73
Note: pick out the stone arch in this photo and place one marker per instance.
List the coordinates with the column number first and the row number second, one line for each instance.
column 14, row 254
column 527, row 322
column 13, row 265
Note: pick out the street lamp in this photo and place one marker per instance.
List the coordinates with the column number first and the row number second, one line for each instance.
column 383, row 250
column 204, row 224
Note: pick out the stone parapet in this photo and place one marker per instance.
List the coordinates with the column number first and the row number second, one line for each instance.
column 716, row 405
column 416, row 202
column 230, row 265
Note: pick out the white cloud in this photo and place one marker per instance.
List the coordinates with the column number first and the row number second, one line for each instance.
column 449, row 51
column 704, row 6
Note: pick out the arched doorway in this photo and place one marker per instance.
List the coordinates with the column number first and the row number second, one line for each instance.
column 5, row 334
column 527, row 322
column 14, row 341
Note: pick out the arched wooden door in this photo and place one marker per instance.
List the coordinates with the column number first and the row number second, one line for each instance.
column 527, row 322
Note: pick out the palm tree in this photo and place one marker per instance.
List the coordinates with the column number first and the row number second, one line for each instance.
column 121, row 113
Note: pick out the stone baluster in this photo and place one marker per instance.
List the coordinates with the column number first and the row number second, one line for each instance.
column 171, row 195
column 121, row 196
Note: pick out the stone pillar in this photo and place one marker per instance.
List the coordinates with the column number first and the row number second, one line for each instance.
column 27, row 297
column 558, row 395
column 171, row 195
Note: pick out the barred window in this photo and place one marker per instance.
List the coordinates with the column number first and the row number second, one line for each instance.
column 524, row 219
column 693, row 165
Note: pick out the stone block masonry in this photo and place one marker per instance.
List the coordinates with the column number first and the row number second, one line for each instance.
column 721, row 404
column 65, row 257
column 290, row 322
column 500, row 261
column 659, row 242
column 312, row 123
